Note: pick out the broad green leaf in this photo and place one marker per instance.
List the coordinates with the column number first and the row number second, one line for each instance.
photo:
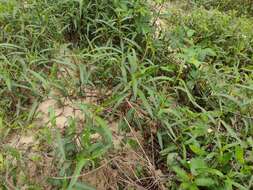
column 226, row 157
column 190, row 33
column 214, row 172
column 197, row 165
column 205, row 182
column 171, row 159
column 181, row 173
column 197, row 150
column 239, row 154
column 188, row 186
column 228, row 184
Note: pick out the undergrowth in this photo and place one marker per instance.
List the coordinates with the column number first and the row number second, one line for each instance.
column 182, row 78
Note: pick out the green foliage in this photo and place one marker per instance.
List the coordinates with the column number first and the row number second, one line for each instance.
column 190, row 84
column 242, row 7
column 214, row 31
column 101, row 21
column 212, row 112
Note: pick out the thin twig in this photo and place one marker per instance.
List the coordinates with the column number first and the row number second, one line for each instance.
column 138, row 141
column 88, row 173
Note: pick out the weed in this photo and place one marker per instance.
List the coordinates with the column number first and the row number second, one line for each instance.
column 180, row 94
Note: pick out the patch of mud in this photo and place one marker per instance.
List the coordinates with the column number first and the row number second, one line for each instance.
column 61, row 112
column 63, row 109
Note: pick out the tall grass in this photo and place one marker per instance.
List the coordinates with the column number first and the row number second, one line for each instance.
column 189, row 85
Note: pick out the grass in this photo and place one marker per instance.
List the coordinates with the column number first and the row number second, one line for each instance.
column 176, row 81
